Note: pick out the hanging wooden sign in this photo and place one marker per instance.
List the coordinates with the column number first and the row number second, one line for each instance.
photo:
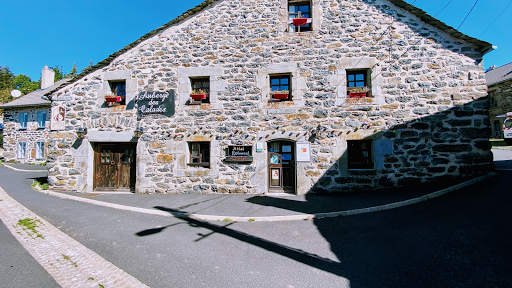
column 156, row 102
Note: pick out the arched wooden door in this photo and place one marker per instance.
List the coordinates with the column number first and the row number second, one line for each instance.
column 281, row 159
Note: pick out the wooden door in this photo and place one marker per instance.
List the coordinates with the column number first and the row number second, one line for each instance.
column 114, row 166
column 281, row 166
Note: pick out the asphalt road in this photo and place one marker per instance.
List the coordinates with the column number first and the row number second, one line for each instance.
column 463, row 239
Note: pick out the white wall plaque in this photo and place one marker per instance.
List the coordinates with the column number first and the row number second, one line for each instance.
column 303, row 152
column 58, row 118
column 259, row 147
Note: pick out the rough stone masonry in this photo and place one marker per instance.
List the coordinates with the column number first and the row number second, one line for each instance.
column 426, row 113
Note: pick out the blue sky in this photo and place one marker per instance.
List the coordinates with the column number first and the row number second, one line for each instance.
column 36, row 33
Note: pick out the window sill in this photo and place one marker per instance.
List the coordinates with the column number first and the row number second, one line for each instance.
column 22, row 129
column 204, row 165
column 369, row 171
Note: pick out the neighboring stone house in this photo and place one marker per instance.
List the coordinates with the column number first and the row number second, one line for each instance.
column 232, row 98
column 499, row 81
column 26, row 124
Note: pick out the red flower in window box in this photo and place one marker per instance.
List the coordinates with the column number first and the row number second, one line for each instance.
column 112, row 98
column 300, row 21
column 281, row 94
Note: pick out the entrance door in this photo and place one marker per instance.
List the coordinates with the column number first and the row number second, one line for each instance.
column 281, row 161
column 114, row 166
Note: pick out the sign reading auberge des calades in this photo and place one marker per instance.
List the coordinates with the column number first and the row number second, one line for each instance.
column 239, row 154
column 156, row 102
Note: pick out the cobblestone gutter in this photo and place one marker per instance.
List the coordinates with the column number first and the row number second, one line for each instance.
column 70, row 263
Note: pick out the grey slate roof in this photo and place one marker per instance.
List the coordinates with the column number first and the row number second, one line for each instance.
column 499, row 74
column 35, row 98
column 484, row 46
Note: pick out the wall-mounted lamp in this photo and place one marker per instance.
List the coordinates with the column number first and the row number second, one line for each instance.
column 80, row 132
column 138, row 132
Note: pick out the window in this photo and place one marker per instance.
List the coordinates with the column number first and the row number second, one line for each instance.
column 359, row 154
column 201, row 86
column 199, row 154
column 299, row 9
column 23, row 120
column 39, row 150
column 358, row 82
column 41, row 119
column 280, row 87
column 118, row 88
column 492, row 99
column 22, row 150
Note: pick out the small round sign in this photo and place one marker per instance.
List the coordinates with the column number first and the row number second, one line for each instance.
column 15, row 93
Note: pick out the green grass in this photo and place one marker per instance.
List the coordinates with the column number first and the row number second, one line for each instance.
column 227, row 220
column 43, row 186
column 30, row 225
column 251, row 220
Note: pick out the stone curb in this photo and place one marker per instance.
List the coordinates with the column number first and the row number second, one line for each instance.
column 274, row 218
column 68, row 262
column 22, row 170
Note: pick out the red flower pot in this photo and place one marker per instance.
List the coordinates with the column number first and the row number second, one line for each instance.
column 113, row 99
column 198, row 96
column 356, row 94
column 281, row 95
column 300, row 21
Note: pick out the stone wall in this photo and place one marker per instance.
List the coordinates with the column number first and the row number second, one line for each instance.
column 32, row 134
column 502, row 104
column 427, row 115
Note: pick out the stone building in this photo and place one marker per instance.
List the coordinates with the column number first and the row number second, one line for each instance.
column 499, row 81
column 26, row 123
column 251, row 96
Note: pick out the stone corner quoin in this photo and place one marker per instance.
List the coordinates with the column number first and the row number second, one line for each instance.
column 424, row 119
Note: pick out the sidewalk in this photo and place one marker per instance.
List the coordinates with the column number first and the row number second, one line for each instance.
column 270, row 207
column 242, row 207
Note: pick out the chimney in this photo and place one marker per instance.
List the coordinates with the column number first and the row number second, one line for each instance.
column 47, row 78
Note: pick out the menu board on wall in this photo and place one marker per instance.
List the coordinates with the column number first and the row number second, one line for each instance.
column 156, row 102
column 239, row 154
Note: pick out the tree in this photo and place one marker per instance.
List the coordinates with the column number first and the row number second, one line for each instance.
column 6, row 84
column 59, row 75
column 73, row 71
column 25, row 85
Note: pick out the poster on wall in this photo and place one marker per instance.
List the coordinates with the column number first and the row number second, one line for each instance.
column 303, row 152
column 58, row 118
column 156, row 102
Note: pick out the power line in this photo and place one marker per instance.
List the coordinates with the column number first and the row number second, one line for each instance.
column 443, row 8
column 468, row 14
column 495, row 19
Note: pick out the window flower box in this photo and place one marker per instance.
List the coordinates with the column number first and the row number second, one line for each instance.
column 358, row 92
column 112, row 99
column 198, row 96
column 300, row 21
column 281, row 95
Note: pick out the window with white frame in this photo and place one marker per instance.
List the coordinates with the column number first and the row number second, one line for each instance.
column 359, row 154
column 199, row 154
column 22, row 150
column 40, row 150
column 41, row 119
column 23, row 120
column 299, row 15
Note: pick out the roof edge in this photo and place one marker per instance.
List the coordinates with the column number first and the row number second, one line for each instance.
column 484, row 46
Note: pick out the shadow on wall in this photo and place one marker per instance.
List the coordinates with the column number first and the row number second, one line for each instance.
column 452, row 144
